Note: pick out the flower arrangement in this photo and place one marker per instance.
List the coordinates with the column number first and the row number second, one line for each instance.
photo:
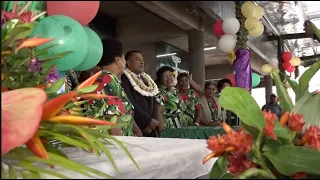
column 34, row 115
column 266, row 147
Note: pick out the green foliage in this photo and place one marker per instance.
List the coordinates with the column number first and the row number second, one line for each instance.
column 292, row 159
column 240, row 102
column 219, row 169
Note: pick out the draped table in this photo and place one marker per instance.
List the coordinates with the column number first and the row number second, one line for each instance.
column 193, row 132
column 158, row 158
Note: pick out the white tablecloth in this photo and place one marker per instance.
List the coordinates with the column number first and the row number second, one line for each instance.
column 157, row 157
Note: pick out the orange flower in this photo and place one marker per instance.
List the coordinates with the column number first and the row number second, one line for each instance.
column 239, row 164
column 284, row 118
column 295, row 122
column 33, row 42
column 312, row 137
column 238, row 143
column 299, row 175
column 268, row 128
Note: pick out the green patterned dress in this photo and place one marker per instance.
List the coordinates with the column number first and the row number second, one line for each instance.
column 214, row 110
column 173, row 108
column 109, row 109
column 192, row 103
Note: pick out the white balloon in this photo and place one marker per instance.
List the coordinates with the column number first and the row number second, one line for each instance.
column 227, row 43
column 274, row 62
column 231, row 26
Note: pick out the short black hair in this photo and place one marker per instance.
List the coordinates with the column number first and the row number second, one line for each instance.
column 112, row 48
column 130, row 53
column 208, row 83
column 161, row 71
column 273, row 96
column 222, row 82
column 183, row 74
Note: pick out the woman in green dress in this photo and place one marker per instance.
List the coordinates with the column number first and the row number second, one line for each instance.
column 169, row 103
column 120, row 109
column 191, row 99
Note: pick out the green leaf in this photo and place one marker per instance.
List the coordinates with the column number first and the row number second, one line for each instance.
column 56, row 56
column 123, row 147
column 9, row 26
column 242, row 103
column 29, row 166
column 295, row 87
column 44, row 51
column 292, row 159
column 31, row 175
column 53, row 150
column 219, row 169
column 285, row 136
column 12, row 173
column 88, row 89
column 3, row 173
column 56, row 86
column 271, row 144
column 22, row 31
column 307, row 76
column 285, row 100
column 304, row 107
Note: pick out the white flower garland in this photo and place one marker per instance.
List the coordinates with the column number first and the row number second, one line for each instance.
column 151, row 89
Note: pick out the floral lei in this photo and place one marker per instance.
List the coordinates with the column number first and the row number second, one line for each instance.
column 151, row 89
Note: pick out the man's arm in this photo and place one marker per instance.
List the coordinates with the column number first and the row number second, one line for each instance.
column 140, row 116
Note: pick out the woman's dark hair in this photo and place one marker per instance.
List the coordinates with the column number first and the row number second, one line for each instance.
column 183, row 74
column 112, row 48
column 208, row 83
column 160, row 73
column 222, row 82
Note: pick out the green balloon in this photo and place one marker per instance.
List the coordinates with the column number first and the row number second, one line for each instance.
column 255, row 80
column 69, row 35
column 95, row 50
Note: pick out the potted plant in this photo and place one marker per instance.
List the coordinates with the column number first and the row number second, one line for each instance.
column 265, row 146
column 34, row 115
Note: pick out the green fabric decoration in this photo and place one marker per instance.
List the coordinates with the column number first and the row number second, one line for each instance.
column 193, row 132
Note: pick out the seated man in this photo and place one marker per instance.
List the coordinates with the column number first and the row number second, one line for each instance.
column 141, row 90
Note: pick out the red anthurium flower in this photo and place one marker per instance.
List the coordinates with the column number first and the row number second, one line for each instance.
column 295, row 122
column 239, row 164
column 21, row 114
column 299, row 175
column 268, row 128
column 312, row 137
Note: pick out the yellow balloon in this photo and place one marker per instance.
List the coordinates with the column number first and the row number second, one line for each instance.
column 266, row 68
column 259, row 12
column 295, row 61
column 258, row 31
column 251, row 23
column 248, row 9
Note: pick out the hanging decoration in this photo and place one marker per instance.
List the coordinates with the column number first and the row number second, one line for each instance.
column 217, row 28
column 232, row 78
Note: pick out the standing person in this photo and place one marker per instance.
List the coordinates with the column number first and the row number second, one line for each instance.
column 212, row 112
column 231, row 118
column 169, row 103
column 119, row 109
column 141, row 90
column 273, row 106
column 191, row 99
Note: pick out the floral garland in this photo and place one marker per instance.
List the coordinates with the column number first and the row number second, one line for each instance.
column 151, row 89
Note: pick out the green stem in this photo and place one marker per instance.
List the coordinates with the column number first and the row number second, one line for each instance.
column 257, row 153
column 253, row 172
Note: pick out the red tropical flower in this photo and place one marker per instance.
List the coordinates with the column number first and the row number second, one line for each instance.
column 239, row 164
column 295, row 122
column 312, row 137
column 268, row 128
column 299, row 175
column 238, row 143
column 165, row 98
column 112, row 102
